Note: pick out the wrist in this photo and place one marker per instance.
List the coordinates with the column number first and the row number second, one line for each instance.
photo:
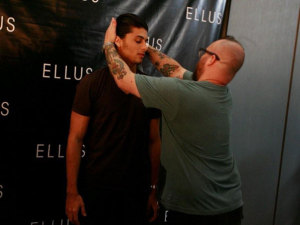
column 106, row 44
column 153, row 187
column 72, row 190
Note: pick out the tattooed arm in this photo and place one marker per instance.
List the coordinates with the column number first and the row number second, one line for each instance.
column 166, row 65
column 123, row 76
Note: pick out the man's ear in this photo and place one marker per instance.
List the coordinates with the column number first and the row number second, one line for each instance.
column 118, row 41
column 211, row 60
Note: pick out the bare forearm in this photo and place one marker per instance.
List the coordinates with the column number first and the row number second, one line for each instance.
column 154, row 148
column 155, row 160
column 73, row 159
column 167, row 66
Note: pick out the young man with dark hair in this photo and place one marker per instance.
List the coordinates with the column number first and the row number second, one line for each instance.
column 122, row 143
column 202, row 184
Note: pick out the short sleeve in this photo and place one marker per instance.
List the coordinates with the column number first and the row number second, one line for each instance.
column 158, row 92
column 82, row 99
column 154, row 113
column 188, row 75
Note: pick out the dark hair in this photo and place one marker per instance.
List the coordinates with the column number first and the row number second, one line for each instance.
column 128, row 20
column 232, row 38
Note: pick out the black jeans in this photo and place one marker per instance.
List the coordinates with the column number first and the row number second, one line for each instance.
column 110, row 207
column 173, row 217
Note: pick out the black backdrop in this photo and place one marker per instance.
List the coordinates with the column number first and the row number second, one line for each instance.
column 46, row 47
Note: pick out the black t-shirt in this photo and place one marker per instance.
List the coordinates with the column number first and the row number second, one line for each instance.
column 117, row 140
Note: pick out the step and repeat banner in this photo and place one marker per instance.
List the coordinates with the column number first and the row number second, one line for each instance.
column 46, row 47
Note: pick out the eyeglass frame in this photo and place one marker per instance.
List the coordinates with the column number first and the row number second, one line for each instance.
column 208, row 52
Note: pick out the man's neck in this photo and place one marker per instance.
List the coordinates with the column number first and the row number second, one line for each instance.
column 217, row 82
column 212, row 79
column 132, row 66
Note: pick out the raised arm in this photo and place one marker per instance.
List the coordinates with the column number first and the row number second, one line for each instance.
column 167, row 66
column 124, row 78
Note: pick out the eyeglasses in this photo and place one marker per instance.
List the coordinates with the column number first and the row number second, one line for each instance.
column 202, row 51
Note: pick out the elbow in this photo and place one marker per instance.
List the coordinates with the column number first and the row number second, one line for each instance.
column 123, row 87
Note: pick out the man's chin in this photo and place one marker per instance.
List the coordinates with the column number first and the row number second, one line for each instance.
column 139, row 61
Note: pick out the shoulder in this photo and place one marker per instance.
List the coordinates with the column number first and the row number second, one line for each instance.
column 97, row 74
column 96, row 77
column 188, row 75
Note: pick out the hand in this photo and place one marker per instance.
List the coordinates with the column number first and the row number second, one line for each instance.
column 110, row 34
column 74, row 203
column 152, row 207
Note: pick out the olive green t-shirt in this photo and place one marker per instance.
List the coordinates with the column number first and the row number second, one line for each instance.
column 201, row 175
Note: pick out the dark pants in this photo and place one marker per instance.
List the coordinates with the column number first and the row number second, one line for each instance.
column 110, row 207
column 172, row 217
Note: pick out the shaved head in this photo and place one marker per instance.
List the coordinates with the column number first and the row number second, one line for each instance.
column 230, row 51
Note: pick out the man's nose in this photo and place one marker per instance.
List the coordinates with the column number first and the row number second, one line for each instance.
column 145, row 46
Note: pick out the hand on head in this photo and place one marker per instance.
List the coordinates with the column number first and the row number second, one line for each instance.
column 110, row 34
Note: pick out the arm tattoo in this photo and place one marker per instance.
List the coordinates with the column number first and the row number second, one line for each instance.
column 115, row 64
column 168, row 69
column 160, row 54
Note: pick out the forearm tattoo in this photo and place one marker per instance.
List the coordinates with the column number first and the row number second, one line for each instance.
column 115, row 63
column 167, row 69
column 160, row 54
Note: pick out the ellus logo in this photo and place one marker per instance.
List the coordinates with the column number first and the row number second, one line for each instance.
column 65, row 72
column 7, row 24
column 203, row 15
column 48, row 151
column 93, row 1
column 51, row 222
column 4, row 109
column 155, row 42
column 1, row 191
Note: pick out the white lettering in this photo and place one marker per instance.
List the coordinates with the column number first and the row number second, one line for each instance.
column 55, row 72
column 209, row 17
column 196, row 13
column 159, row 44
column 38, row 150
column 89, row 70
column 188, row 12
column 94, row 1
column 59, row 155
column 50, row 151
column 206, row 16
column 155, row 43
column 219, row 18
column 75, row 74
column 65, row 72
column 203, row 14
column 1, row 22
column 1, row 191
column 4, row 110
column 51, row 222
column 44, row 70
column 83, row 151
column 10, row 24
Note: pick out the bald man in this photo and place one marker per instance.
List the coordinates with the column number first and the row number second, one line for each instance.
column 202, row 184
